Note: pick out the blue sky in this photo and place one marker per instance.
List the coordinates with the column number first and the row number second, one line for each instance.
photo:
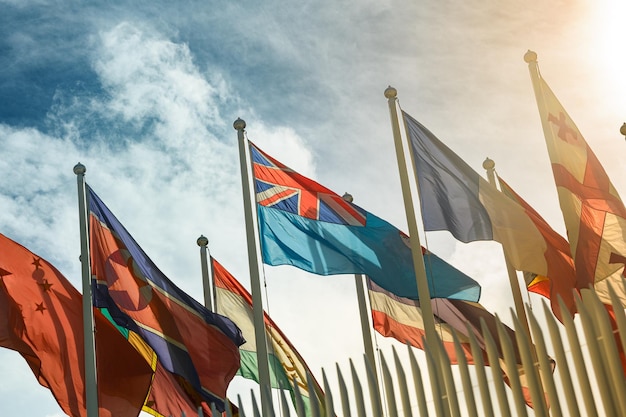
column 145, row 97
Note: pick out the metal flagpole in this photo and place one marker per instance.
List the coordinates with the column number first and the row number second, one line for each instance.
column 91, row 380
column 207, row 275
column 416, row 247
column 489, row 166
column 253, row 259
column 530, row 57
column 366, row 329
column 365, row 324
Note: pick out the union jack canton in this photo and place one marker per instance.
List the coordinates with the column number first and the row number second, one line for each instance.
column 278, row 186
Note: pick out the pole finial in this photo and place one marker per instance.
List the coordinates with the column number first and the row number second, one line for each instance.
column 347, row 197
column 622, row 129
column 239, row 124
column 391, row 92
column 202, row 241
column 530, row 56
column 79, row 169
column 488, row 164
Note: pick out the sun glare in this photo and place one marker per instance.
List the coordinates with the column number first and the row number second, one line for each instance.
column 610, row 43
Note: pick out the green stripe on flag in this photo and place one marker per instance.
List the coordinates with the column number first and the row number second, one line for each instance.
column 249, row 369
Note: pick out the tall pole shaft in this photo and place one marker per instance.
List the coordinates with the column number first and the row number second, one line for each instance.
column 366, row 329
column 520, row 311
column 207, row 275
column 91, row 380
column 416, row 247
column 253, row 259
column 531, row 59
column 364, row 313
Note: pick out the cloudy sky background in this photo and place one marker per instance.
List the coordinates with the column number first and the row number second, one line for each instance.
column 145, row 97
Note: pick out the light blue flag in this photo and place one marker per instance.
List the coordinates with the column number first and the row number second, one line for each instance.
column 306, row 225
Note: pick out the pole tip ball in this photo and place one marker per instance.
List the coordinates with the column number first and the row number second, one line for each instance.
column 79, row 169
column 391, row 92
column 202, row 241
column 239, row 124
column 489, row 164
column 530, row 56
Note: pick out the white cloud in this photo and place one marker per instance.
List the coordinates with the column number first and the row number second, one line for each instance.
column 155, row 128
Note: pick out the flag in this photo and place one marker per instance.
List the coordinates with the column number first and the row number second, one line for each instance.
column 304, row 224
column 166, row 396
column 455, row 198
column 286, row 364
column 41, row 318
column 199, row 347
column 401, row 319
column 560, row 264
column 594, row 214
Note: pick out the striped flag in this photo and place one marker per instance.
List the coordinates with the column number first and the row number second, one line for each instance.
column 286, row 364
column 401, row 318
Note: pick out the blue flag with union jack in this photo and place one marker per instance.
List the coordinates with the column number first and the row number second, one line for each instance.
column 306, row 225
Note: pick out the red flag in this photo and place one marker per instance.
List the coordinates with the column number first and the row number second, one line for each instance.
column 196, row 345
column 560, row 275
column 594, row 214
column 41, row 318
column 168, row 398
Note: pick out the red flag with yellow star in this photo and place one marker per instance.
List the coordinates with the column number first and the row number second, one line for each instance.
column 41, row 318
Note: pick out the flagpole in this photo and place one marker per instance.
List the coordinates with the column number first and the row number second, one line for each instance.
column 207, row 275
column 366, row 329
column 365, row 324
column 253, row 260
column 416, row 247
column 91, row 380
column 490, row 166
column 530, row 57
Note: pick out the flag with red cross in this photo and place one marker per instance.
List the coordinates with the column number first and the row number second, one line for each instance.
column 594, row 214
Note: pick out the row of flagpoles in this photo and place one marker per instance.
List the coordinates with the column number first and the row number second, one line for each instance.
column 508, row 355
column 585, row 266
column 292, row 220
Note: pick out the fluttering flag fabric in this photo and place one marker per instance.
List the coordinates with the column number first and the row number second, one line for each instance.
column 286, row 364
column 197, row 346
column 166, row 396
column 304, row 224
column 401, row 319
column 455, row 198
column 41, row 317
column 560, row 264
column 594, row 214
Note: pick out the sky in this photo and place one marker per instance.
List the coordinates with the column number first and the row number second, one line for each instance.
column 145, row 96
